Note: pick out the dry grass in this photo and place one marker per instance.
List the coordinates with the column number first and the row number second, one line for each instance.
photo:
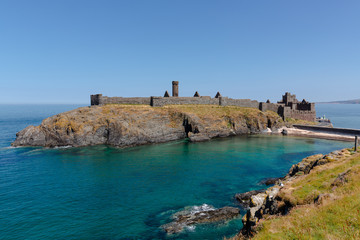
column 293, row 121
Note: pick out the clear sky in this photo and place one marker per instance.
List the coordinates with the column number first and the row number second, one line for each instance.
column 61, row 51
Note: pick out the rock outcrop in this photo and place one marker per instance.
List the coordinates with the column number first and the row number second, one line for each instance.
column 199, row 214
column 129, row 125
column 270, row 181
column 245, row 198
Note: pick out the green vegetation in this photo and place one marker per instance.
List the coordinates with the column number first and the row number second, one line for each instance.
column 293, row 121
column 326, row 206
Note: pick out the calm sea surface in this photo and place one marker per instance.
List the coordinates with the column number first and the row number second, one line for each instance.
column 341, row 115
column 105, row 193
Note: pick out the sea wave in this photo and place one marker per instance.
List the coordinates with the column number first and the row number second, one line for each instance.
column 68, row 146
column 192, row 210
column 10, row 147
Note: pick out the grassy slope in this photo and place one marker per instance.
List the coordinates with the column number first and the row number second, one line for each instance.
column 206, row 113
column 336, row 217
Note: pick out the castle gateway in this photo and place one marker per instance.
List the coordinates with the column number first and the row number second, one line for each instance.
column 288, row 107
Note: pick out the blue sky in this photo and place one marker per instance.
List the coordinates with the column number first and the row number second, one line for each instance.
column 63, row 51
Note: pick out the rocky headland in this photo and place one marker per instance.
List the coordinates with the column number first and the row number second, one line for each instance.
column 130, row 125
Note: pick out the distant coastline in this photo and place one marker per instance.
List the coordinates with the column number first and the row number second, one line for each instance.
column 354, row 101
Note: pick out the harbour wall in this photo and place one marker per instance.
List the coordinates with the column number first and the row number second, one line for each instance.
column 341, row 131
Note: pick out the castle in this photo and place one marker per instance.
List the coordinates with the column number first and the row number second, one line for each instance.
column 288, row 107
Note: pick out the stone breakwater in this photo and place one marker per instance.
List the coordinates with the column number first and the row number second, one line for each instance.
column 313, row 133
column 277, row 200
column 130, row 125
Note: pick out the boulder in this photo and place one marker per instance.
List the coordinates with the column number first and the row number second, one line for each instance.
column 270, row 181
column 244, row 198
column 305, row 165
column 200, row 137
column 341, row 179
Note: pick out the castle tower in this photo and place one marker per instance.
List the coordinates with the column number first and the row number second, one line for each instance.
column 175, row 88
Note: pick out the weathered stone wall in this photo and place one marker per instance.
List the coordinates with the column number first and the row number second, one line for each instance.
column 99, row 99
column 304, row 115
column 225, row 101
column 129, row 100
column 306, row 106
column 269, row 107
column 287, row 112
column 162, row 101
column 204, row 100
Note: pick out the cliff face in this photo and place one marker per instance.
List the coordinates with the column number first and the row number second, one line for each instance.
column 129, row 125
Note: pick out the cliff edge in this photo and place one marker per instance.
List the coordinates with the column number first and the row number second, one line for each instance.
column 130, row 125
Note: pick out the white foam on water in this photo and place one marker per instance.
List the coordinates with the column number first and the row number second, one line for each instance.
column 203, row 208
column 68, row 146
column 192, row 210
column 10, row 147
column 190, row 228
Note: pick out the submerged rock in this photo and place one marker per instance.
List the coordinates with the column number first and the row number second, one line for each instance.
column 199, row 214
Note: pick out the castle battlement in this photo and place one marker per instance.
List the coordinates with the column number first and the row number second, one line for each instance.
column 288, row 107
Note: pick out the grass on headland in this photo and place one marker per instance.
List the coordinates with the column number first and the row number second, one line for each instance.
column 293, row 121
column 337, row 216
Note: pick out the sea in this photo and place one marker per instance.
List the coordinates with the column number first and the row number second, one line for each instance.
column 105, row 193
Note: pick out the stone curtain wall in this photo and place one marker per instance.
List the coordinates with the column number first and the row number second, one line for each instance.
column 287, row 112
column 130, row 100
column 304, row 115
column 162, row 101
column 99, row 99
column 224, row 101
column 269, row 107
column 205, row 100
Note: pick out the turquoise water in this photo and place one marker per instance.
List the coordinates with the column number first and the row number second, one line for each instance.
column 108, row 193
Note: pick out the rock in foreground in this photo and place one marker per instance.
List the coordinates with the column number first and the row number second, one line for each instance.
column 199, row 214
